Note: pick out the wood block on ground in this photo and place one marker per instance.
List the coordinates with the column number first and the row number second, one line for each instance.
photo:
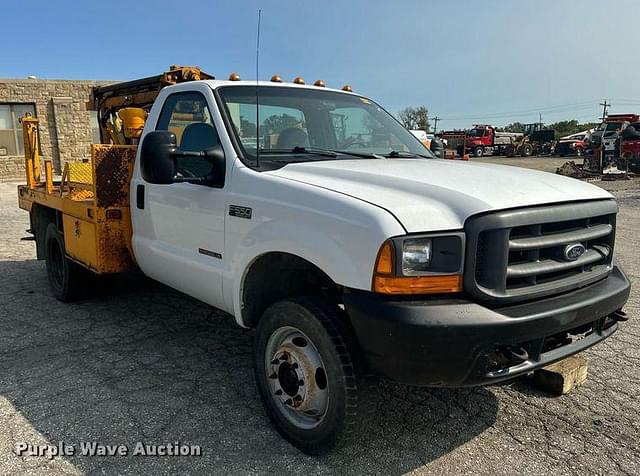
column 562, row 377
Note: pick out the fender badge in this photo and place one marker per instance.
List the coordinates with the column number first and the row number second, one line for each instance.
column 240, row 212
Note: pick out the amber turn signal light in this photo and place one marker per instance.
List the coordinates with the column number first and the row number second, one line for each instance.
column 418, row 284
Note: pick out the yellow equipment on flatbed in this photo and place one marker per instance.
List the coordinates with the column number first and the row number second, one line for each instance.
column 90, row 204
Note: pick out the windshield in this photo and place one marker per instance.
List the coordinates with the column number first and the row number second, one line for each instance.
column 609, row 126
column 476, row 132
column 297, row 120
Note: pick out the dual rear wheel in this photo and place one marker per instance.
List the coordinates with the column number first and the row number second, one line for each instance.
column 68, row 280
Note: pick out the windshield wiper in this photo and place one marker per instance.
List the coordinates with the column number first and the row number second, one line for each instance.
column 401, row 154
column 318, row 151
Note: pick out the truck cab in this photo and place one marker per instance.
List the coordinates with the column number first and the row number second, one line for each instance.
column 312, row 216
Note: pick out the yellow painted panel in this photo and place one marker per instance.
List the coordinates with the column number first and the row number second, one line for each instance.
column 80, row 241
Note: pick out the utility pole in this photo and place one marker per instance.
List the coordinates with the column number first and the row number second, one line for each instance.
column 435, row 124
column 540, row 116
column 604, row 105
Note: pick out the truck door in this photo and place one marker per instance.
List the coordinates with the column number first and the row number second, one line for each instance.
column 179, row 228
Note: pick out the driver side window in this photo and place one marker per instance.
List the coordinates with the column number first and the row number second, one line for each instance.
column 188, row 117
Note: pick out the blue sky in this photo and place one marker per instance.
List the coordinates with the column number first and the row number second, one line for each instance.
column 467, row 61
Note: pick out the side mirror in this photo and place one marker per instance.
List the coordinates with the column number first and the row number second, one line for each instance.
column 157, row 157
column 215, row 156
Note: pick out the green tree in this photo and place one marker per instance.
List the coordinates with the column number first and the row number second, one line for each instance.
column 278, row 123
column 513, row 127
column 414, row 118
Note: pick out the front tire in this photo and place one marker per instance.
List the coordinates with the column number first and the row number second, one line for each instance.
column 478, row 151
column 527, row 150
column 68, row 280
column 310, row 376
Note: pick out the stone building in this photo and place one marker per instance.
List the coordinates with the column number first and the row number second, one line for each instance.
column 67, row 128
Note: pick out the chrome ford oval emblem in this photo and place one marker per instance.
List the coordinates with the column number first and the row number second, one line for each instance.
column 573, row 251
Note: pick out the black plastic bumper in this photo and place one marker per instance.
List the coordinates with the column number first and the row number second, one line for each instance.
column 458, row 343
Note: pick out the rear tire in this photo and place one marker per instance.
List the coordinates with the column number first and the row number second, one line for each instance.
column 68, row 280
column 310, row 375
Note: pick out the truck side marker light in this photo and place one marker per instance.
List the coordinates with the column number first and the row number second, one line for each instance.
column 384, row 263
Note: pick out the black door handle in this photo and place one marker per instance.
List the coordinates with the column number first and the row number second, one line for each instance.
column 140, row 197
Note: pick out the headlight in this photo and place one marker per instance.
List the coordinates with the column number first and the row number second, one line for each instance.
column 420, row 265
column 416, row 256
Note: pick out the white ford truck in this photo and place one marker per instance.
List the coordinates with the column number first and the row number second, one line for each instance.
column 318, row 220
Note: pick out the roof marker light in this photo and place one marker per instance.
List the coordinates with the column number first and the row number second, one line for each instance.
column 234, row 77
column 347, row 88
column 319, row 83
column 276, row 79
column 298, row 80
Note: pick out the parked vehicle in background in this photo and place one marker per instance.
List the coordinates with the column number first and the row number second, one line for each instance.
column 423, row 137
column 536, row 140
column 631, row 147
column 612, row 125
column 483, row 139
column 431, row 142
column 574, row 144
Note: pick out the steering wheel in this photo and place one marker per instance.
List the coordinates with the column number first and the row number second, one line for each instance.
column 352, row 141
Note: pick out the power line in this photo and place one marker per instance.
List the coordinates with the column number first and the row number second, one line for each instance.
column 555, row 108
column 505, row 116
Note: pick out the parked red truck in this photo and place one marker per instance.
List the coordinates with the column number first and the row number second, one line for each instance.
column 483, row 139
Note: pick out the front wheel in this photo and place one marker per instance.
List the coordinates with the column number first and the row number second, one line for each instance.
column 478, row 151
column 310, row 376
column 527, row 150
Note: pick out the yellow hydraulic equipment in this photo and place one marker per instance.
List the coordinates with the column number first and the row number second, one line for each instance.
column 133, row 119
column 91, row 200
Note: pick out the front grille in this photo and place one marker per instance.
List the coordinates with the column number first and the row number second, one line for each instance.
column 520, row 254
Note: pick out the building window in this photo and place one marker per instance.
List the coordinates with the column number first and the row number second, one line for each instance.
column 10, row 128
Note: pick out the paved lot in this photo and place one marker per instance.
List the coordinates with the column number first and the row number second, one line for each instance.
column 142, row 362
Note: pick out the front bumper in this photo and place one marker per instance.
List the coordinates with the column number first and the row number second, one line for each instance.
column 455, row 342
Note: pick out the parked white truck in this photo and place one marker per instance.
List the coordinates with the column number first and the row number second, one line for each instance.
column 331, row 230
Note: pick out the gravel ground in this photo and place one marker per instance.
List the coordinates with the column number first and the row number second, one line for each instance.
column 140, row 362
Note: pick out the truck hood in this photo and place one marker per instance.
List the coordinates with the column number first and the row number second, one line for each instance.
column 433, row 195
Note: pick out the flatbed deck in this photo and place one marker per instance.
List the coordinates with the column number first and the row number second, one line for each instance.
column 91, row 204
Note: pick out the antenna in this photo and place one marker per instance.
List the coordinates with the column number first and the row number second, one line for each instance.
column 257, row 97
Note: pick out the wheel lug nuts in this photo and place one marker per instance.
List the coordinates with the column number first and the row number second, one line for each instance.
column 273, row 375
column 278, row 392
column 288, row 401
